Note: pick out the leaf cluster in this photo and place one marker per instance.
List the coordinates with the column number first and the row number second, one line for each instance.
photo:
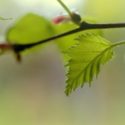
column 85, row 51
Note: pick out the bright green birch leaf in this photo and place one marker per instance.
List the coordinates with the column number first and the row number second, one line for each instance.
column 67, row 42
column 30, row 28
column 86, row 59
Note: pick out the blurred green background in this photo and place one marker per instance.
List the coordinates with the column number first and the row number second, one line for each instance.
column 32, row 93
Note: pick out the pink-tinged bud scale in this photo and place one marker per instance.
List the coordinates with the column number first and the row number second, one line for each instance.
column 59, row 19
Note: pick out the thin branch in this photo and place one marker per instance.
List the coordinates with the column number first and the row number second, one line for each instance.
column 84, row 26
column 65, row 8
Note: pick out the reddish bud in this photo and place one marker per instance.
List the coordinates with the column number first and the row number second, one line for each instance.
column 60, row 19
column 74, row 17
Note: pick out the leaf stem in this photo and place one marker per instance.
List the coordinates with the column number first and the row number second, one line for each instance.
column 65, row 7
column 118, row 44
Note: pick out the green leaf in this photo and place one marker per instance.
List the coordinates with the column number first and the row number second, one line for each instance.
column 85, row 60
column 67, row 42
column 62, row 42
column 30, row 28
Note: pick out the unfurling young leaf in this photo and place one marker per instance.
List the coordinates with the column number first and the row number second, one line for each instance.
column 86, row 59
